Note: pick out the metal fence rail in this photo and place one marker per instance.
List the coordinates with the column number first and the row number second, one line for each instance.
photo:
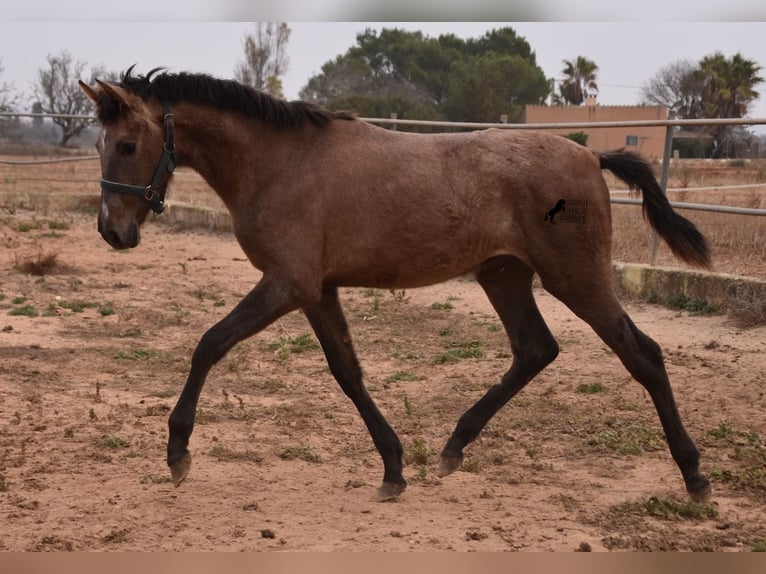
column 668, row 124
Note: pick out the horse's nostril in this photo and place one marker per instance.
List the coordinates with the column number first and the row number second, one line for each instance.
column 113, row 239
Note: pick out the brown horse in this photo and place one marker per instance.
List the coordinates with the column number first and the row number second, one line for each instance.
column 320, row 200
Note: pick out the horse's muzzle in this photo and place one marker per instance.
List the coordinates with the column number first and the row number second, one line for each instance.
column 124, row 239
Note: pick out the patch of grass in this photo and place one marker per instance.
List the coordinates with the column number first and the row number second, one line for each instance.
column 76, row 306
column 681, row 302
column 141, row 355
column 408, row 408
column 164, row 394
column 58, row 225
column 223, row 453
column 26, row 310
column 19, row 300
column 403, row 376
column 590, row 388
column 442, row 306
column 418, row 452
column 301, row 453
column 665, row 509
column 26, row 226
column 459, row 352
column 114, row 442
column 106, row 310
column 376, row 295
column 628, row 437
column 286, row 346
column 747, row 463
column 759, row 546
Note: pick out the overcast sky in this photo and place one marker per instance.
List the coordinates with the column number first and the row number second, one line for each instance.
column 627, row 53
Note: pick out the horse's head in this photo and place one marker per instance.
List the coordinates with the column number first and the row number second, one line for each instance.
column 137, row 157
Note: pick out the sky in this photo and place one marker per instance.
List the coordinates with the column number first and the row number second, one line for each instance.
column 628, row 53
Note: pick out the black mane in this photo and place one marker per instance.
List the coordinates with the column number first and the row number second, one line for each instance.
column 224, row 94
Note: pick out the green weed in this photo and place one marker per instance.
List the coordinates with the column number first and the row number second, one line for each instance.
column 628, row 437
column 58, row 225
column 300, row 453
column 403, row 376
column 114, row 442
column 669, row 509
column 26, row 310
column 141, row 355
column 681, row 302
column 26, row 226
column 223, row 453
column 286, row 346
column 459, row 352
column 590, row 388
column 76, row 306
column 418, row 452
column 106, row 310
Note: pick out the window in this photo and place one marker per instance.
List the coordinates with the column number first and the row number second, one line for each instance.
column 631, row 140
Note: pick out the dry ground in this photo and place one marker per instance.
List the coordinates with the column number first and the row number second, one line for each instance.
column 94, row 353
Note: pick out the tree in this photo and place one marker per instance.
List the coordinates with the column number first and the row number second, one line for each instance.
column 58, row 92
column 678, row 87
column 579, row 81
column 485, row 87
column 8, row 102
column 266, row 58
column 728, row 85
column 728, row 88
column 420, row 77
column 7, row 98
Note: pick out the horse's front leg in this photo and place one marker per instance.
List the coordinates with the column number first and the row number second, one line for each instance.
column 270, row 299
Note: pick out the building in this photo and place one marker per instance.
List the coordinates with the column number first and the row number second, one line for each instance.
column 649, row 141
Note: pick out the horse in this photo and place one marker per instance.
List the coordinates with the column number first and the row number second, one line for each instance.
column 321, row 200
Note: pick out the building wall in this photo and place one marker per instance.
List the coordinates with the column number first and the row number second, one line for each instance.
column 649, row 141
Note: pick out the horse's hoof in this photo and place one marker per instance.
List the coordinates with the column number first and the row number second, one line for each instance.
column 448, row 465
column 390, row 490
column 701, row 491
column 180, row 468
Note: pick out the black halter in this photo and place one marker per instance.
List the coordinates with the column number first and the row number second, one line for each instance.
column 152, row 192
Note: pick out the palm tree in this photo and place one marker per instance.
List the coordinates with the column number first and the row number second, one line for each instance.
column 728, row 85
column 579, row 81
column 727, row 90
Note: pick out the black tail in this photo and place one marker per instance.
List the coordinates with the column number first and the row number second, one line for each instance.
column 683, row 238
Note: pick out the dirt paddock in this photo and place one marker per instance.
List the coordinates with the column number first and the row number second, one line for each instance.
column 94, row 351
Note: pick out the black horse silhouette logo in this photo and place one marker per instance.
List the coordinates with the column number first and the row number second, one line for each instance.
column 560, row 206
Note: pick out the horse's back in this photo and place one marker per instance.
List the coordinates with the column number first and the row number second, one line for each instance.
column 423, row 208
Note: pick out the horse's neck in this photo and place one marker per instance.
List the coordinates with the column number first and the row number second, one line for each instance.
column 223, row 147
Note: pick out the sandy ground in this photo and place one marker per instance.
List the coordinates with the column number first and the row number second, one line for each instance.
column 281, row 458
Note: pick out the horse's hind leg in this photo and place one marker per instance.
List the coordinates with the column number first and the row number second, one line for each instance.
column 329, row 324
column 508, row 285
column 594, row 301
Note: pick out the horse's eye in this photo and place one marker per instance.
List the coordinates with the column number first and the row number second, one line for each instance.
column 128, row 148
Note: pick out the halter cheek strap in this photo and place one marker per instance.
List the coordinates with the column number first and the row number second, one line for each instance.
column 152, row 192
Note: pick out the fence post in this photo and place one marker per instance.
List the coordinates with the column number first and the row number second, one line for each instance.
column 655, row 241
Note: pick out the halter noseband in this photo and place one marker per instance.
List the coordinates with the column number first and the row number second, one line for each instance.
column 152, row 192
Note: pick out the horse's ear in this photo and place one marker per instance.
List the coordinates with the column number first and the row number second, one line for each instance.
column 88, row 91
column 116, row 92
